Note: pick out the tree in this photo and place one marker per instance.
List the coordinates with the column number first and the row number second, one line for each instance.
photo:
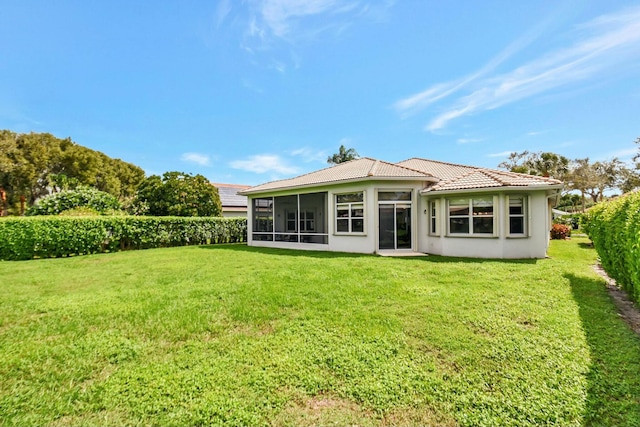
column 594, row 179
column 608, row 176
column 541, row 163
column 177, row 194
column 582, row 178
column 343, row 155
column 34, row 165
column 629, row 179
column 8, row 151
column 516, row 162
column 569, row 200
column 636, row 158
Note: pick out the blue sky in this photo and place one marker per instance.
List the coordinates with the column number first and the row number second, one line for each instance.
column 250, row 91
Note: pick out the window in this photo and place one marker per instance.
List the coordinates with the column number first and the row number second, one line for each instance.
column 350, row 213
column 433, row 218
column 263, row 219
column 471, row 216
column 307, row 223
column 291, row 222
column 517, row 216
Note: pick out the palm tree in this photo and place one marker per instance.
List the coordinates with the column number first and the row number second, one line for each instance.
column 343, row 155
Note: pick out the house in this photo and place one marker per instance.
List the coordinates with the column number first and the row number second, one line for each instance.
column 233, row 204
column 414, row 206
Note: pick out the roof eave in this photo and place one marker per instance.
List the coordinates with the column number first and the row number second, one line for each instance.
column 496, row 188
column 338, row 182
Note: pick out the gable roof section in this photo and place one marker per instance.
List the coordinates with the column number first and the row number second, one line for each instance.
column 229, row 196
column 355, row 170
column 442, row 170
column 459, row 177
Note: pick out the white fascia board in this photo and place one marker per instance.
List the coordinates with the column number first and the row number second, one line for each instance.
column 515, row 188
column 328, row 184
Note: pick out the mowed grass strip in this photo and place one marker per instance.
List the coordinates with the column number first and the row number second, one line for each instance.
column 232, row 335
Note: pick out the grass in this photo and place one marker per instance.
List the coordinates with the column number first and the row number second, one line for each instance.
column 232, row 335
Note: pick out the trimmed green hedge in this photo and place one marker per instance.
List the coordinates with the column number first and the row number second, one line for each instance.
column 54, row 236
column 614, row 228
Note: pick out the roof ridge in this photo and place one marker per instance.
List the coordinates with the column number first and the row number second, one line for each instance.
column 373, row 168
column 441, row 162
column 522, row 175
column 493, row 175
column 316, row 171
column 220, row 184
column 458, row 177
column 411, row 169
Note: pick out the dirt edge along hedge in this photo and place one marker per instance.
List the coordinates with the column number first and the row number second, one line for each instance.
column 614, row 228
column 51, row 236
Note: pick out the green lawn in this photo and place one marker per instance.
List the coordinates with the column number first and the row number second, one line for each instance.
column 244, row 336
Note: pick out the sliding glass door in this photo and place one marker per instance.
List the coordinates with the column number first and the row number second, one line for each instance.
column 394, row 216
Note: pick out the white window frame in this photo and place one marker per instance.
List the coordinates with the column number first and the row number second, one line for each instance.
column 470, row 216
column 350, row 206
column 524, row 215
column 433, row 226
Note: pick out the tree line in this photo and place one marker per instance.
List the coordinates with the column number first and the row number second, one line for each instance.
column 61, row 175
column 589, row 178
column 33, row 165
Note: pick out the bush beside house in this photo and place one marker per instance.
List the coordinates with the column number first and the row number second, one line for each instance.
column 614, row 228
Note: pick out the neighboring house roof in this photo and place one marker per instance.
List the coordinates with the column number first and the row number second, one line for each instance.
column 443, row 176
column 354, row 170
column 558, row 212
column 229, row 196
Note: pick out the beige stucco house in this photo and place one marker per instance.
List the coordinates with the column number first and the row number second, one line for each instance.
column 418, row 205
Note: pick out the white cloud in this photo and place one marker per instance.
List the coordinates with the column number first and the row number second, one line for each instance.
column 309, row 155
column 423, row 99
column 468, row 140
column 606, row 42
column 222, row 10
column 624, row 154
column 293, row 20
column 200, row 159
column 280, row 17
column 262, row 163
column 501, row 154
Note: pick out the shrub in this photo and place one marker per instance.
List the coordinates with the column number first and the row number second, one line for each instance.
column 83, row 197
column 80, row 211
column 573, row 221
column 560, row 231
column 57, row 236
column 614, row 228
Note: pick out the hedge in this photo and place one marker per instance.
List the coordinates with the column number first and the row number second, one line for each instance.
column 53, row 236
column 614, row 228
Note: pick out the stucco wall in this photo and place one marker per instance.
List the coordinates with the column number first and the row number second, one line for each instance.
column 500, row 246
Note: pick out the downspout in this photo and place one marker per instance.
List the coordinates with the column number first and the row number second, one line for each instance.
column 549, row 221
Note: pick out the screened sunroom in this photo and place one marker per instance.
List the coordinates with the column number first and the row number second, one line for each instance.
column 294, row 218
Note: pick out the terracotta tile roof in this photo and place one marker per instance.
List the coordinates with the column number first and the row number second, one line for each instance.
column 440, row 169
column 460, row 177
column 359, row 169
column 443, row 176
